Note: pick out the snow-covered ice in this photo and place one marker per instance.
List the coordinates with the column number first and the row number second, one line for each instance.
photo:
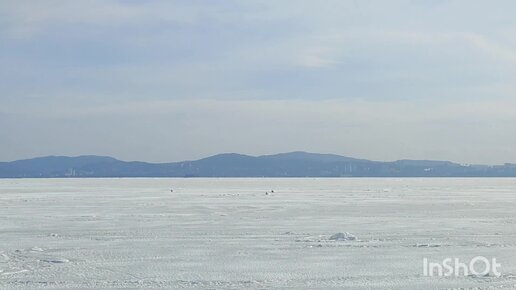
column 227, row 234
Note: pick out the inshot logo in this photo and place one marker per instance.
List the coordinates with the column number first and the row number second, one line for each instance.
column 478, row 266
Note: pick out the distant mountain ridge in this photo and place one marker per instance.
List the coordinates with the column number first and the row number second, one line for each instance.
column 292, row 164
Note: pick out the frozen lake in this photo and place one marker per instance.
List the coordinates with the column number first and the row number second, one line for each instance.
column 228, row 234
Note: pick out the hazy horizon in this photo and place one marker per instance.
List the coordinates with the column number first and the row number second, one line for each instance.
column 163, row 81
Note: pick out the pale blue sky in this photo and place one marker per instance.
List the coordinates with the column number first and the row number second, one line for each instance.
column 174, row 80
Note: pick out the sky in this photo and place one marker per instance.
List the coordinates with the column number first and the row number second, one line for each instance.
column 169, row 80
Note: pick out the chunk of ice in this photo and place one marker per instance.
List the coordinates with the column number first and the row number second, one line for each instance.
column 343, row 237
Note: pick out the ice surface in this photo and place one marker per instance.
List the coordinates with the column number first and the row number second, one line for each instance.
column 227, row 234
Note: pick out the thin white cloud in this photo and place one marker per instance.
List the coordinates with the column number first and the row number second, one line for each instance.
column 495, row 49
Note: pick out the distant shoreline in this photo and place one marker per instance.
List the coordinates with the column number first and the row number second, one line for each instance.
column 264, row 177
column 231, row 165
